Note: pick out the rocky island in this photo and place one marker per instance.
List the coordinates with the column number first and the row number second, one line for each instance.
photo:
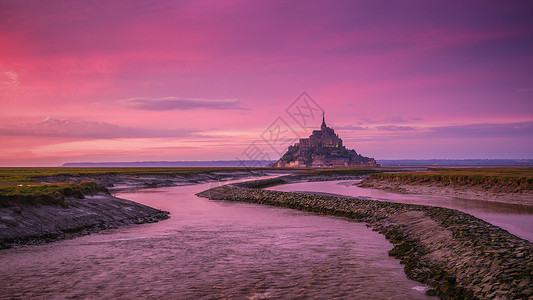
column 323, row 148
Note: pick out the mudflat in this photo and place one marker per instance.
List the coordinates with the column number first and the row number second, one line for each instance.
column 39, row 205
column 506, row 185
column 36, row 224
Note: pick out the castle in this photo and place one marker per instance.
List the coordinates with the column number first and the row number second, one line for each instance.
column 323, row 148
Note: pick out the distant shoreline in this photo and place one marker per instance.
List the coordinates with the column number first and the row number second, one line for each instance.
column 264, row 163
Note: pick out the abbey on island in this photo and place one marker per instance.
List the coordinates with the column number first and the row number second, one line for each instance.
column 323, row 148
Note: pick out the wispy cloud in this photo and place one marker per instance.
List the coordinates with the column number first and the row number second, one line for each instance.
column 496, row 131
column 376, row 128
column 389, row 120
column 175, row 103
column 351, row 127
column 395, row 128
column 51, row 127
column 9, row 78
column 486, row 130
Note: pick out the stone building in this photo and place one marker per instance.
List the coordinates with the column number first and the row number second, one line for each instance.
column 323, row 148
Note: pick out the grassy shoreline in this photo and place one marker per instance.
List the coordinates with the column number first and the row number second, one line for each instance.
column 513, row 180
column 50, row 186
column 47, row 194
column 10, row 176
column 25, row 186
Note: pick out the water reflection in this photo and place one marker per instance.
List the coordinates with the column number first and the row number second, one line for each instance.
column 211, row 251
column 515, row 218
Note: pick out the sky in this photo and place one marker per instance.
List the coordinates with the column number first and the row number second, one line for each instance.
column 113, row 81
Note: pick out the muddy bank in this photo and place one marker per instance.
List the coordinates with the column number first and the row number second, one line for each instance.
column 295, row 178
column 460, row 256
column 123, row 181
column 473, row 192
column 36, row 224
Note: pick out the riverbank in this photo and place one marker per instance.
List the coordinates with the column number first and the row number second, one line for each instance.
column 459, row 255
column 125, row 180
column 310, row 176
column 27, row 224
column 39, row 205
column 506, row 185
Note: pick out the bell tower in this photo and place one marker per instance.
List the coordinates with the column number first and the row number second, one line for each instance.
column 323, row 126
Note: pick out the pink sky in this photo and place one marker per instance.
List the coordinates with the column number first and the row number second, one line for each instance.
column 202, row 80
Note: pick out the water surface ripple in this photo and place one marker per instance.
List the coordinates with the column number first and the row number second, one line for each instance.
column 211, row 249
column 515, row 218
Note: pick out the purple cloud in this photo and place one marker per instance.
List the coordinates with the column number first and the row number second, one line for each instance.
column 487, row 130
column 394, row 119
column 51, row 127
column 174, row 103
column 395, row 128
column 381, row 127
column 351, row 127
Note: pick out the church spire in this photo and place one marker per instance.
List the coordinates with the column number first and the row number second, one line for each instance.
column 323, row 121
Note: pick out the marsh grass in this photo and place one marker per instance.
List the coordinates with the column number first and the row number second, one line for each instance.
column 47, row 194
column 15, row 176
column 504, row 179
column 21, row 186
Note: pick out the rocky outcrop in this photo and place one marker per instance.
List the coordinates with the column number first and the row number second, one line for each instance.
column 460, row 256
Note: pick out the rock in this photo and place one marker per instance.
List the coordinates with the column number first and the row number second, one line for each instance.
column 523, row 283
column 528, row 292
column 431, row 292
column 486, row 288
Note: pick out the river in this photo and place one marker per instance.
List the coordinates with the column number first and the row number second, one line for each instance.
column 515, row 218
column 212, row 249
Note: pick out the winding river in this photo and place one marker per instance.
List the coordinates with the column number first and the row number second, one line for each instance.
column 212, row 249
column 515, row 218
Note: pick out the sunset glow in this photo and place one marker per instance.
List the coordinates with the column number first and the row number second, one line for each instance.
column 202, row 80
